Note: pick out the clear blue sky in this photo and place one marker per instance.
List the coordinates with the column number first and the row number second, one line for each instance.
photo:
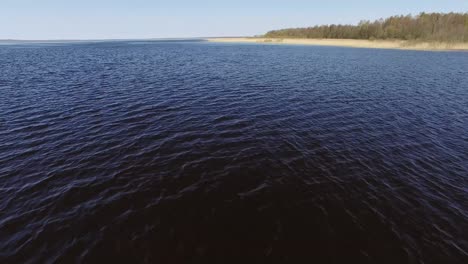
column 100, row 19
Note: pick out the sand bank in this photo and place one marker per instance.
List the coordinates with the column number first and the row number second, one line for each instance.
column 376, row 44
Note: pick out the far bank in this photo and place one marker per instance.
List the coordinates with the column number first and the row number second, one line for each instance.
column 355, row 43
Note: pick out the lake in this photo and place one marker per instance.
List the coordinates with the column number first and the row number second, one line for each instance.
column 189, row 151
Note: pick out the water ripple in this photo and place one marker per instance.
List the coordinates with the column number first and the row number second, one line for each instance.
column 176, row 151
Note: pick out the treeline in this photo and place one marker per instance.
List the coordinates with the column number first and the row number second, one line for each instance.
column 451, row 27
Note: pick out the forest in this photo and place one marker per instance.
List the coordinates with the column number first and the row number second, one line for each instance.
column 447, row 27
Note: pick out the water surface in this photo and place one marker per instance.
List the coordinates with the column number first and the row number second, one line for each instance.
column 188, row 151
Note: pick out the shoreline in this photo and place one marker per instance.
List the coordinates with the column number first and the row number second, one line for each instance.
column 352, row 43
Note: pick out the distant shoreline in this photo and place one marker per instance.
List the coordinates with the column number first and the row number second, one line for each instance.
column 354, row 43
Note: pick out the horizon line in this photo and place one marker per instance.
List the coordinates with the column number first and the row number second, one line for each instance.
column 117, row 39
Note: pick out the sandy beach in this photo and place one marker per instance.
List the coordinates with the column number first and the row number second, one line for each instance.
column 376, row 44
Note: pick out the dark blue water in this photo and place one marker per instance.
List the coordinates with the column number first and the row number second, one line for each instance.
column 176, row 152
